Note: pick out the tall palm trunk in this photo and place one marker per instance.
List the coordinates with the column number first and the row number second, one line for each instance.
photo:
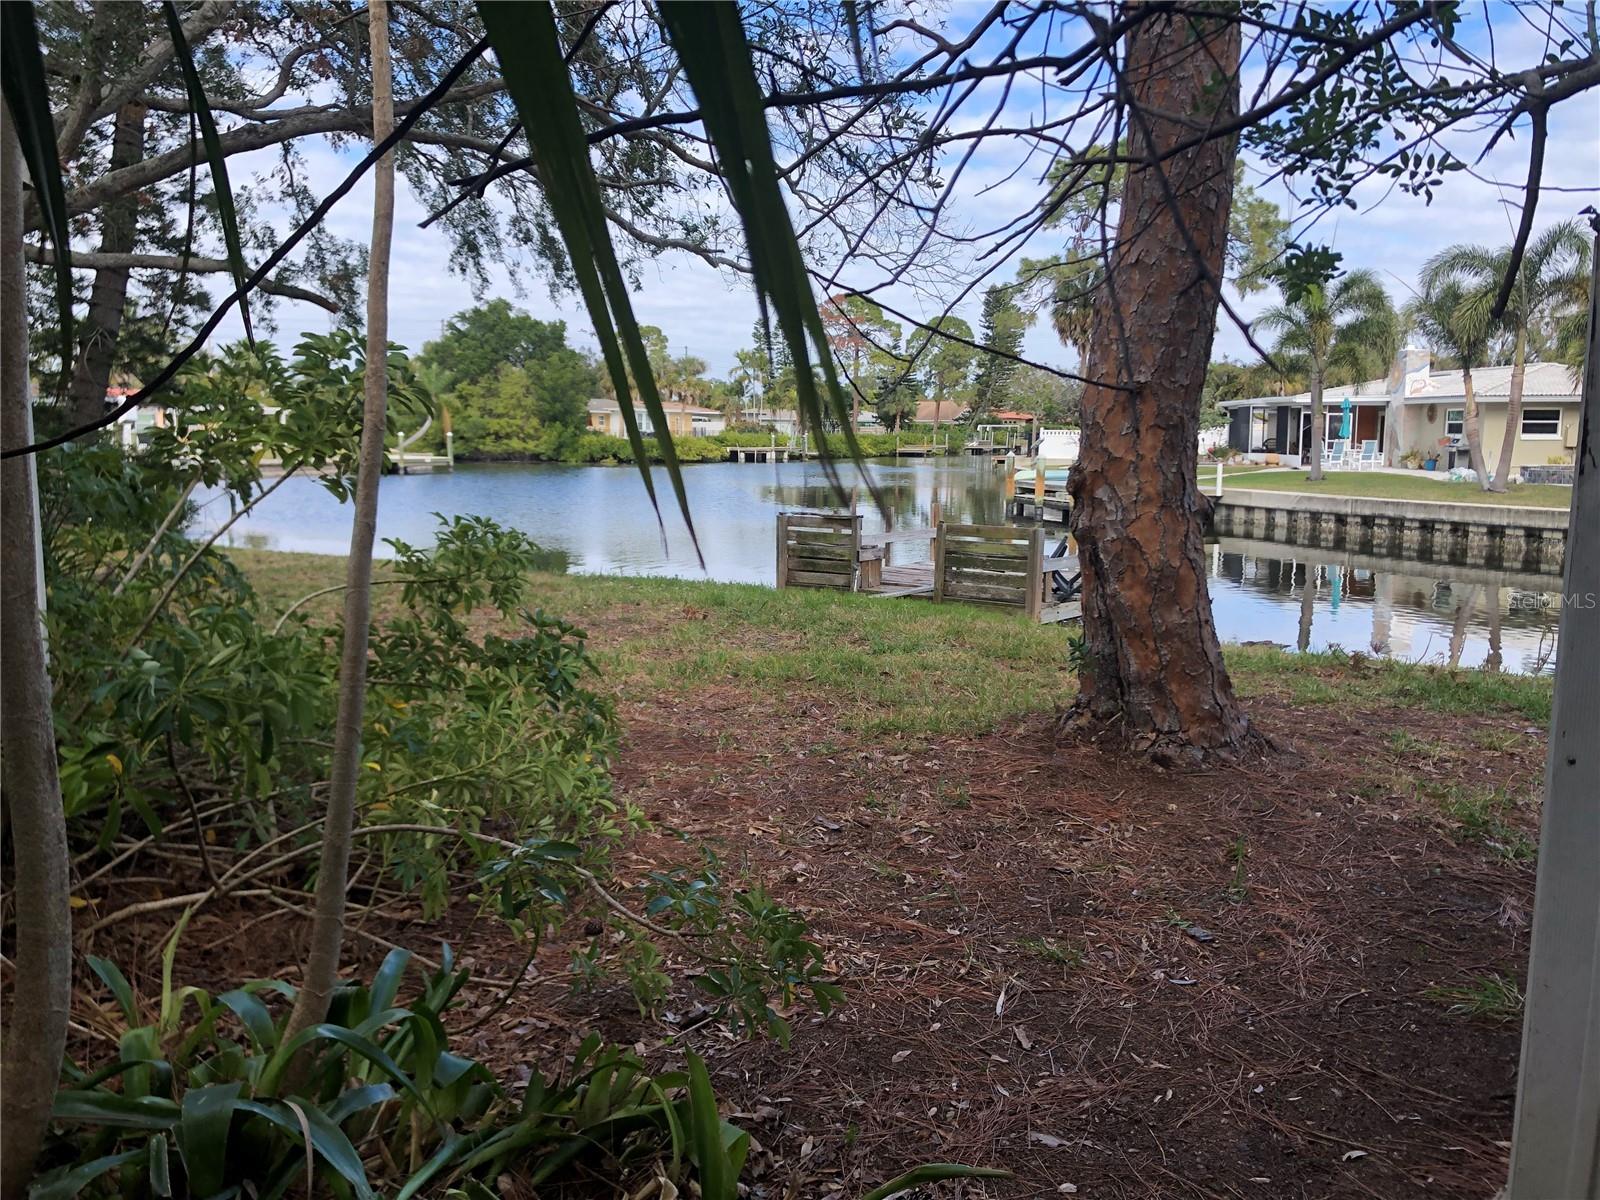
column 1472, row 424
column 1318, row 423
column 108, row 298
column 1152, row 664
column 327, row 932
column 1508, row 440
column 41, row 993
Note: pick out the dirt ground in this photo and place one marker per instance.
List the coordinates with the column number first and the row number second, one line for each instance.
column 1113, row 980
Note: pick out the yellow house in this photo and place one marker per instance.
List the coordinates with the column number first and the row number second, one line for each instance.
column 683, row 419
column 1435, row 418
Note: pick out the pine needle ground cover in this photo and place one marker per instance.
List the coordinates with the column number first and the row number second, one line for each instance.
column 1085, row 969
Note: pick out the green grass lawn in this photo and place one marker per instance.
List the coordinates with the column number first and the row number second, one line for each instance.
column 887, row 667
column 1410, row 487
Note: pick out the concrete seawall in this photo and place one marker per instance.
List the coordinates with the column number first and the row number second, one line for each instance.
column 1499, row 538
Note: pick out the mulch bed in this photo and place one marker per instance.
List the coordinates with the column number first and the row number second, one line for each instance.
column 1114, row 980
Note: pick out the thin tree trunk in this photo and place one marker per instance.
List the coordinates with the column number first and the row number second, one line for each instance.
column 41, row 994
column 1319, row 423
column 1458, row 626
column 1308, row 600
column 1382, row 612
column 327, row 931
column 1473, row 427
column 1508, row 440
column 1152, row 661
column 108, row 299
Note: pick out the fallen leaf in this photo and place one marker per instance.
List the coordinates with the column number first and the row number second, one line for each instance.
column 1349, row 1154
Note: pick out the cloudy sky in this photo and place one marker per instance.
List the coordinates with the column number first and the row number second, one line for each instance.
column 710, row 314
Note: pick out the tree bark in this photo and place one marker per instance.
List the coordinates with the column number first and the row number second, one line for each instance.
column 1472, row 425
column 41, row 994
column 1508, row 440
column 327, row 930
column 1319, row 423
column 1152, row 661
column 108, row 298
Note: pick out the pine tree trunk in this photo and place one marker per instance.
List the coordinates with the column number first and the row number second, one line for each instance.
column 108, row 298
column 1472, row 425
column 41, row 992
column 1508, row 440
column 1152, row 661
column 327, row 932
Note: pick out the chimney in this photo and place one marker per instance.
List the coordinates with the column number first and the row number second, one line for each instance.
column 1413, row 366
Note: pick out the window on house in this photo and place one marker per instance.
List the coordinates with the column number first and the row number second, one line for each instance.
column 1259, row 428
column 1541, row 422
column 1455, row 422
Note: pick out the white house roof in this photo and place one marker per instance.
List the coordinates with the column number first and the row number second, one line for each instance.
column 1548, row 381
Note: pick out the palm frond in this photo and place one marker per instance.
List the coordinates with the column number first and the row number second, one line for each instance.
column 28, row 97
column 524, row 38
column 217, row 161
column 711, row 45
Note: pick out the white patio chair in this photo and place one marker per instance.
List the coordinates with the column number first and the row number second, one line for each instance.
column 1333, row 454
column 1369, row 458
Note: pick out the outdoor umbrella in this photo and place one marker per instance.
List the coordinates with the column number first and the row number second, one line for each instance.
column 1344, row 418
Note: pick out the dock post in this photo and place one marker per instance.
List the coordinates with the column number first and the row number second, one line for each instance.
column 1034, row 596
column 400, row 454
column 450, row 447
column 938, row 563
column 1219, row 477
column 1038, row 488
column 783, row 550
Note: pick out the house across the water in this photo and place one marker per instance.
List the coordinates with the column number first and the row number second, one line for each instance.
column 683, row 419
column 1424, row 409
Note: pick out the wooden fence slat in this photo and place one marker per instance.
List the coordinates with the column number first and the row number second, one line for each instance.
column 818, row 579
column 994, row 566
column 825, row 566
column 988, row 532
column 977, row 549
column 821, row 537
column 815, row 549
column 963, row 589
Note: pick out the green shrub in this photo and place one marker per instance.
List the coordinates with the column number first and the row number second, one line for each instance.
column 372, row 1101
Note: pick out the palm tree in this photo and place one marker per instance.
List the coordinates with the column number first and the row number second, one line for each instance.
column 1345, row 329
column 1434, row 315
column 1554, row 274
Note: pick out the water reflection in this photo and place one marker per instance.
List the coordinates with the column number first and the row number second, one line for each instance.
column 598, row 519
column 1422, row 612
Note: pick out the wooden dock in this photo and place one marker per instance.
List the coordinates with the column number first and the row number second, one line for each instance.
column 763, row 454
column 999, row 566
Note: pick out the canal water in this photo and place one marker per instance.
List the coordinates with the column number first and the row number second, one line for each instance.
column 599, row 520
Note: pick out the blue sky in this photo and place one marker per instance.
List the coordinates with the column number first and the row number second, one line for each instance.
column 710, row 313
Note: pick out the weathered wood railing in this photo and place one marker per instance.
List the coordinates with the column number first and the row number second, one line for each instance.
column 819, row 550
column 999, row 565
